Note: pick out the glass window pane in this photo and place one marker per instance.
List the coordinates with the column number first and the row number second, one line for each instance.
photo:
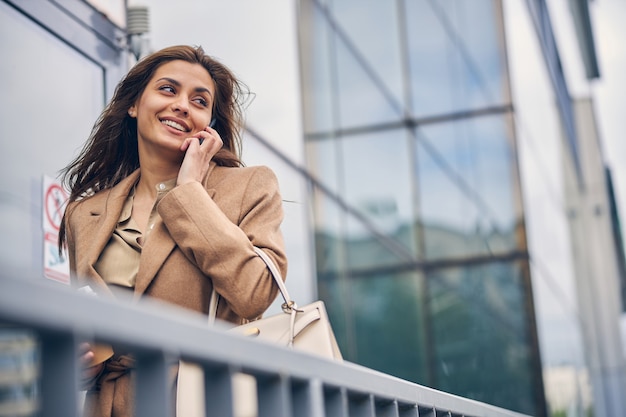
column 376, row 172
column 369, row 67
column 455, row 56
column 317, row 87
column 467, row 180
column 379, row 314
column 361, row 100
column 480, row 334
column 328, row 215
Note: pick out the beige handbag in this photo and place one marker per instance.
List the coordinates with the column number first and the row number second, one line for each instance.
column 304, row 328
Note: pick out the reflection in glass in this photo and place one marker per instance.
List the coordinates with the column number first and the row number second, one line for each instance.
column 378, row 322
column 317, row 84
column 369, row 71
column 441, row 199
column 456, row 58
column 328, row 216
column 378, row 184
column 467, row 180
column 480, row 334
column 361, row 101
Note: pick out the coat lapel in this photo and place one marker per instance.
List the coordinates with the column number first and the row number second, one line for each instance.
column 158, row 247
column 156, row 250
column 103, row 212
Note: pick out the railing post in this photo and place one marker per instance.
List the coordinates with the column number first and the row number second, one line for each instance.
column 360, row 405
column 427, row 412
column 59, row 375
column 335, row 402
column 218, row 391
column 307, row 398
column 387, row 408
column 153, row 391
column 274, row 396
column 408, row 410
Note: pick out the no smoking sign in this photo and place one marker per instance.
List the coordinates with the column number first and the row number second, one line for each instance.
column 55, row 198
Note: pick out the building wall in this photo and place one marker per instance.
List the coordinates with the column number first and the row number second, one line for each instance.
column 596, row 266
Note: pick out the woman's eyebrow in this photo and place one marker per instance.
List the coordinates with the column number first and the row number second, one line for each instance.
column 203, row 90
column 169, row 80
column 177, row 84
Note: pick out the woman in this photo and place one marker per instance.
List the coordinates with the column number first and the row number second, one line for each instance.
column 161, row 205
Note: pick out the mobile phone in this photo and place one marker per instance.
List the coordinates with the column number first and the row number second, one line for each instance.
column 210, row 125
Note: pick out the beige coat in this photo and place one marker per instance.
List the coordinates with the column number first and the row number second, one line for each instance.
column 203, row 239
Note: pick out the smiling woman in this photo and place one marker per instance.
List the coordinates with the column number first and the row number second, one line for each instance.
column 161, row 206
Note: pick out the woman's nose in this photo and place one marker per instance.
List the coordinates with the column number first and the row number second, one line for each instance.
column 180, row 106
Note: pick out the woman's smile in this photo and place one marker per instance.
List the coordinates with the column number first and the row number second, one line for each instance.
column 180, row 126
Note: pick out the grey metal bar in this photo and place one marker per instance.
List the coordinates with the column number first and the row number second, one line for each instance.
column 386, row 408
column 335, row 402
column 360, row 405
column 300, row 398
column 218, row 391
column 316, row 396
column 408, row 410
column 59, row 389
column 153, row 395
column 156, row 331
column 274, row 396
column 426, row 411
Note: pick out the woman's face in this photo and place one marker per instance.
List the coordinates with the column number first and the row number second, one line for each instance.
column 176, row 104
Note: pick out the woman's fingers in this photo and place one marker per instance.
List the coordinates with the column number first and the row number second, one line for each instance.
column 92, row 371
column 85, row 353
column 198, row 153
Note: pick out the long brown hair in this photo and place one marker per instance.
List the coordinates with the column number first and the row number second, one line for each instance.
column 110, row 153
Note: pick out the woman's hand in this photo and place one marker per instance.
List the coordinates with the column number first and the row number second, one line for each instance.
column 87, row 355
column 198, row 153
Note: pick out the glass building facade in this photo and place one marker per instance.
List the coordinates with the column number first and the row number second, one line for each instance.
column 418, row 218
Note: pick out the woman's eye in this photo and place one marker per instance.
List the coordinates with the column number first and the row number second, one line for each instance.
column 167, row 88
column 202, row 102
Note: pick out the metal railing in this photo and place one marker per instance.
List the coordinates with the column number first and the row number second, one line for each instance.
column 289, row 383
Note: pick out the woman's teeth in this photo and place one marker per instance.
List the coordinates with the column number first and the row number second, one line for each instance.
column 173, row 124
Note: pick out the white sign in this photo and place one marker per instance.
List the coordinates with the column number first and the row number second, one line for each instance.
column 55, row 266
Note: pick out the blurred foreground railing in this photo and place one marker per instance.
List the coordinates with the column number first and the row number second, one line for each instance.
column 289, row 383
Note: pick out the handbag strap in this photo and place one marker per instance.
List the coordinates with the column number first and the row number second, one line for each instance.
column 288, row 306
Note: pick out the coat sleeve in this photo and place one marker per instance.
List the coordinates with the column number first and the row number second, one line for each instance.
column 219, row 239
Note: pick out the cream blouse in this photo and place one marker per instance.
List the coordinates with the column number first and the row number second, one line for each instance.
column 119, row 261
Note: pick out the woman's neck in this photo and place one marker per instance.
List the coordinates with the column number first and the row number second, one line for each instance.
column 152, row 174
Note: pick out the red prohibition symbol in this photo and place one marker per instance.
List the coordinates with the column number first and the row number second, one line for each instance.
column 54, row 201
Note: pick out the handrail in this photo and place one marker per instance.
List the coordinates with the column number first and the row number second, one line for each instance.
column 289, row 382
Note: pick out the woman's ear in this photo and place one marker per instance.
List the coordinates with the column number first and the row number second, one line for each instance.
column 132, row 112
